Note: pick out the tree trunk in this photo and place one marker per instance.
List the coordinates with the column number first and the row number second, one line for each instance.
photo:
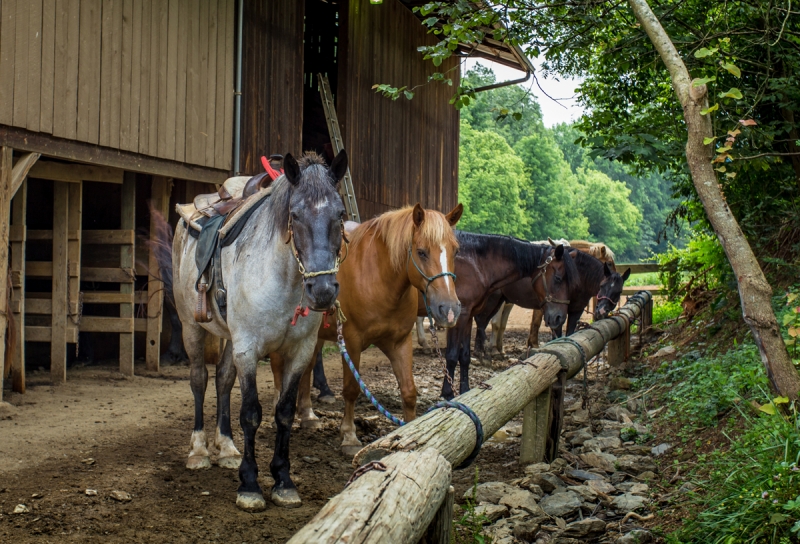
column 754, row 291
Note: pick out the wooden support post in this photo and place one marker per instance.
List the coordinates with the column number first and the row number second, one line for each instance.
column 558, row 390
column 58, row 312
column 441, row 528
column 128, row 222
column 155, row 288
column 74, row 252
column 619, row 348
column 535, row 426
column 6, row 167
column 19, row 237
column 646, row 319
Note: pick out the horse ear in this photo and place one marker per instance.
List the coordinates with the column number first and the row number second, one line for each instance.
column 626, row 275
column 552, row 243
column 603, row 251
column 606, row 270
column 291, row 169
column 418, row 214
column 339, row 166
column 559, row 252
column 455, row 214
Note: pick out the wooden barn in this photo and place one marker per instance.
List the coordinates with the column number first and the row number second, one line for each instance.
column 110, row 106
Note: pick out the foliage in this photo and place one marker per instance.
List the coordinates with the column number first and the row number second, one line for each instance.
column 666, row 310
column 491, row 177
column 612, row 217
column 468, row 529
column 702, row 263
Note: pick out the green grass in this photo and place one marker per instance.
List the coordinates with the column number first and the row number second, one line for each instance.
column 665, row 310
column 651, row 278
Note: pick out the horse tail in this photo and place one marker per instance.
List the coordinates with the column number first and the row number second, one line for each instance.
column 160, row 243
column 11, row 332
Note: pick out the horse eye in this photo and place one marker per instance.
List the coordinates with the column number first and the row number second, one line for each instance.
column 422, row 254
column 294, row 216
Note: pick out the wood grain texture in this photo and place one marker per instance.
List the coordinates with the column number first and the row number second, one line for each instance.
column 171, row 101
column 211, row 83
column 116, row 74
column 74, row 251
column 230, row 54
column 58, row 325
column 181, row 68
column 6, row 166
column 72, row 50
column 18, row 224
column 127, row 252
column 395, row 505
column 46, row 96
column 161, row 70
column 91, row 24
column 155, row 288
column 34, row 64
column 132, row 143
column 8, row 12
column 144, row 81
column 22, row 32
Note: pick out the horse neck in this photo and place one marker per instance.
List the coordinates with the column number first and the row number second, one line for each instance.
column 395, row 283
column 591, row 273
column 499, row 271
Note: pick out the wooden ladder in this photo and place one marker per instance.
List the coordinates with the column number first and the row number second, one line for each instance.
column 346, row 188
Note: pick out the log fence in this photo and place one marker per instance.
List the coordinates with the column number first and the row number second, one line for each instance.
column 406, row 496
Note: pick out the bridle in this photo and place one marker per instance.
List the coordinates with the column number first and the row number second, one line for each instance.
column 428, row 279
column 302, row 269
column 542, row 271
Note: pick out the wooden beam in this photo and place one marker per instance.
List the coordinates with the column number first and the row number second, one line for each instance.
column 535, row 423
column 18, row 221
column 6, row 166
column 637, row 268
column 20, row 171
column 51, row 146
column 107, row 297
column 128, row 222
column 58, row 339
column 44, row 334
column 108, row 237
column 40, row 235
column 161, row 188
column 38, row 306
column 122, row 325
column 75, row 173
column 107, row 275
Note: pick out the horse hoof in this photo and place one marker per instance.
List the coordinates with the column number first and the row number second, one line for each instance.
column 286, row 498
column 229, row 462
column 427, row 351
column 251, row 502
column 197, row 462
column 310, row 424
column 326, row 399
column 351, row 451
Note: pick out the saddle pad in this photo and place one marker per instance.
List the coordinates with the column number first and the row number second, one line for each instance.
column 207, row 243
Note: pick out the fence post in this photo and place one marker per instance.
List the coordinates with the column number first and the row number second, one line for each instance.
column 535, row 425
column 558, row 389
column 441, row 527
column 619, row 348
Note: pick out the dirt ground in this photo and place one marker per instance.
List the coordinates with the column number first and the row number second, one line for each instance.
column 104, row 432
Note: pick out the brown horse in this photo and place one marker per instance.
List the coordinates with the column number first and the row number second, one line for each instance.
column 390, row 260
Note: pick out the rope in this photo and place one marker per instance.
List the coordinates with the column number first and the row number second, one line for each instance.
column 363, row 469
column 475, row 420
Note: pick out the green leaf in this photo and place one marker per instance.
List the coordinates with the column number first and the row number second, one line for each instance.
column 724, row 149
column 768, row 409
column 732, row 93
column 517, row 116
column 781, row 400
column 703, row 80
column 706, row 111
column 777, row 518
column 720, row 169
column 732, row 68
column 707, row 141
column 704, row 52
column 409, row 94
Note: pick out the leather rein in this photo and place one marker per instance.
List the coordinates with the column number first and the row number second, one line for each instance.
column 542, row 271
column 428, row 279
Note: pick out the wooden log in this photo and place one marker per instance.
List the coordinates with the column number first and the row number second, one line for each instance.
column 619, row 348
column 396, row 505
column 556, row 417
column 18, row 223
column 440, row 529
column 535, row 423
column 58, row 338
column 128, row 222
column 6, row 166
column 453, row 434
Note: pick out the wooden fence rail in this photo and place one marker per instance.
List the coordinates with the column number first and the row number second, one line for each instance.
column 378, row 507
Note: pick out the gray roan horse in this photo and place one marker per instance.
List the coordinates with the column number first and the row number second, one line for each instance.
column 264, row 285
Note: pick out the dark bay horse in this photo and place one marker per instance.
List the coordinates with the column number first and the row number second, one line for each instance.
column 287, row 254
column 390, row 260
column 487, row 262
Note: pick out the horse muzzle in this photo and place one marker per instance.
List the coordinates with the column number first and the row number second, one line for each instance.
column 554, row 317
column 445, row 314
column 321, row 292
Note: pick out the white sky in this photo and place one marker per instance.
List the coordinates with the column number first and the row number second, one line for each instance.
column 552, row 112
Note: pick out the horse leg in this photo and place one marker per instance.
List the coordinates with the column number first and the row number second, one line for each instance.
column 308, row 419
column 229, row 456
column 422, row 340
column 451, row 359
column 572, row 321
column 350, row 442
column 481, row 322
column 402, row 358
column 276, row 364
column 284, row 492
column 536, row 323
column 175, row 353
column 501, row 329
column 326, row 396
column 194, row 338
column 464, row 359
column 249, row 495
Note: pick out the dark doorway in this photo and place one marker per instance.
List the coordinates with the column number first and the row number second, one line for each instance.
column 320, row 56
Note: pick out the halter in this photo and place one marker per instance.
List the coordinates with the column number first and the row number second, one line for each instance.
column 428, row 279
column 543, row 268
column 614, row 304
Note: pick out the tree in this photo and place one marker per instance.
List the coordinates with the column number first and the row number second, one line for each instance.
column 613, row 219
column 490, row 176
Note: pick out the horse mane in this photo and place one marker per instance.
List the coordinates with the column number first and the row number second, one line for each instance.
column 315, row 185
column 521, row 253
column 396, row 229
column 593, row 248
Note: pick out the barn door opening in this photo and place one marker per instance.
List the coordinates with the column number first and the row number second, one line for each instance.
column 321, row 46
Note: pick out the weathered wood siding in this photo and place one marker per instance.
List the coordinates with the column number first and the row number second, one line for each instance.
column 402, row 152
column 272, row 80
column 153, row 77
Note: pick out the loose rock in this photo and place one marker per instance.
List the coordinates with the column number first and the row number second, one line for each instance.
column 636, row 464
column 524, row 500
column 601, row 486
column 637, row 536
column 561, row 504
column 311, row 460
column 603, row 461
column 490, row 492
column 628, row 502
column 579, row 437
column 583, row 475
column 547, row 481
column 586, row 528
column 492, row 512
column 526, row 530
column 661, row 449
column 602, row 443
column 91, row 492
column 537, row 468
column 121, row 496
column 20, row 509
column 664, row 352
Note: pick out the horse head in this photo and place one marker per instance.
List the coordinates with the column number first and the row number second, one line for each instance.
column 610, row 291
column 432, row 251
column 316, row 224
column 552, row 283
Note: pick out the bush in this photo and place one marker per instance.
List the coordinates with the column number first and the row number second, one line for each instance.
column 665, row 310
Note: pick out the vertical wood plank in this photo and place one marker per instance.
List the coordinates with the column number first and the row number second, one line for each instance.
column 230, row 56
column 180, row 96
column 73, row 12
column 144, row 85
column 6, row 165
column 8, row 12
column 441, row 527
column 201, row 135
column 192, row 83
column 60, row 67
column 170, row 99
column 217, row 152
column 556, row 418
column 34, row 63
column 116, row 73
column 58, row 323
column 535, row 424
column 163, row 58
column 128, row 221
column 21, row 65
column 18, row 225
column 136, row 75
column 211, row 83
column 155, row 294
column 125, row 84
column 89, row 71
column 46, row 96
column 74, row 251
column 105, row 73
column 155, row 62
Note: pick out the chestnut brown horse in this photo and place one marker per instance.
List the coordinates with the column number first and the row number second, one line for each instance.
column 487, row 262
column 390, row 260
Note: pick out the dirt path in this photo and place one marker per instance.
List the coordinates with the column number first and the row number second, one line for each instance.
column 104, row 432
